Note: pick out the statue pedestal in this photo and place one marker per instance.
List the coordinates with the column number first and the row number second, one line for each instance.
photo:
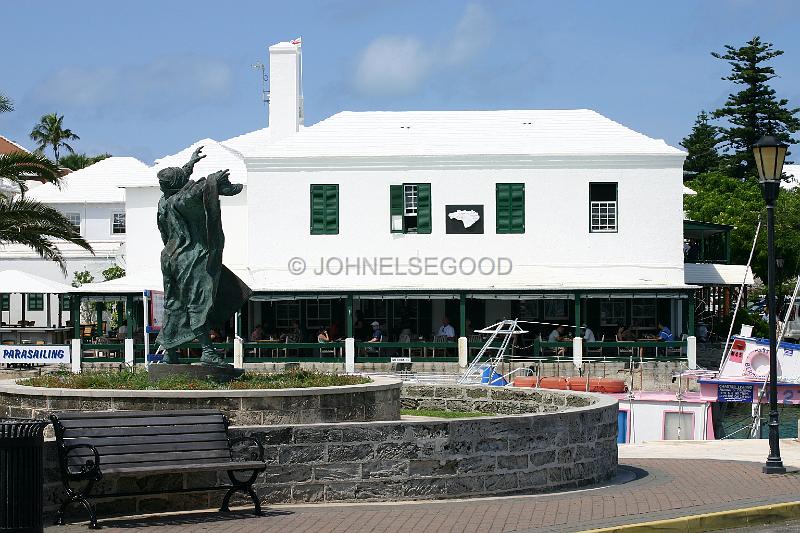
column 219, row 374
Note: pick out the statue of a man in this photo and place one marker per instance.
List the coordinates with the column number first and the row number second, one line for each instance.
column 199, row 291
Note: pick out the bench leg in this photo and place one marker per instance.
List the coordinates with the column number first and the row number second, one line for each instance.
column 244, row 486
column 74, row 496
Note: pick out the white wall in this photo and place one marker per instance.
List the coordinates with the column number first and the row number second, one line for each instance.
column 95, row 219
column 556, row 247
column 144, row 241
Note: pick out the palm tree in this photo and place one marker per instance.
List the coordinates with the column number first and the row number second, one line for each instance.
column 34, row 224
column 6, row 104
column 50, row 132
column 78, row 161
column 18, row 167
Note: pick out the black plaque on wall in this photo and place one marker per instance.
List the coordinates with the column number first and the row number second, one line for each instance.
column 464, row 218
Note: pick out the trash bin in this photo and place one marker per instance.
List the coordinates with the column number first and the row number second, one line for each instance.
column 21, row 474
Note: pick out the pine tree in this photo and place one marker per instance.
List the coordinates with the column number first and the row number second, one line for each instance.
column 701, row 144
column 754, row 111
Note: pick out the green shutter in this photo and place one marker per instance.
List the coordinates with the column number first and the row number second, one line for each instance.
column 395, row 206
column 324, row 212
column 36, row 301
column 510, row 208
column 5, row 303
column 332, row 209
column 65, row 304
column 424, row 208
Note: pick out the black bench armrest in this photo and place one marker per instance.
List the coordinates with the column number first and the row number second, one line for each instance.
column 89, row 470
column 237, row 440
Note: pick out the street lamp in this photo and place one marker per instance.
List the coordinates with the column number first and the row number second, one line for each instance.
column 769, row 154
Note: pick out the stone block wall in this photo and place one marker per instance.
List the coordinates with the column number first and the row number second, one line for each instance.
column 379, row 400
column 539, row 441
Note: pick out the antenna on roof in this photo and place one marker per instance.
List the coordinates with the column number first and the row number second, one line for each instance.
column 264, row 81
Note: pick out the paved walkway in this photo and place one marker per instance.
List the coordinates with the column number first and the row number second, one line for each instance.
column 668, row 488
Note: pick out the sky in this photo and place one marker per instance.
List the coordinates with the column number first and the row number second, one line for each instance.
column 148, row 78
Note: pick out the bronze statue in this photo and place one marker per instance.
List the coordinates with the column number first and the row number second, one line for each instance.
column 199, row 291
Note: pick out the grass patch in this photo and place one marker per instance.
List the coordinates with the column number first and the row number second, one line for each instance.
column 437, row 413
column 138, row 380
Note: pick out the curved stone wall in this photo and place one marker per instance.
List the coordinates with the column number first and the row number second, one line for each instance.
column 379, row 400
column 540, row 441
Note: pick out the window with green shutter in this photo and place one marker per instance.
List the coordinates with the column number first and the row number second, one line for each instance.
column 5, row 302
column 510, row 207
column 65, row 303
column 324, row 209
column 410, row 208
column 35, row 301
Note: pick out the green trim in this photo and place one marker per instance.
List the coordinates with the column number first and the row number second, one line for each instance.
column 690, row 303
column 130, row 319
column 577, row 314
column 696, row 225
column 462, row 315
column 75, row 315
column 5, row 302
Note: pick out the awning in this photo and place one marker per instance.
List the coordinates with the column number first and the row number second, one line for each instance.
column 15, row 281
column 132, row 283
column 717, row 274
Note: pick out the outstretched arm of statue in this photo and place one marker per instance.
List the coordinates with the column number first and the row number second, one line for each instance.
column 196, row 156
column 224, row 185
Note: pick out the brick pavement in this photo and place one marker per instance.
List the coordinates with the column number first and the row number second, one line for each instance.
column 668, row 488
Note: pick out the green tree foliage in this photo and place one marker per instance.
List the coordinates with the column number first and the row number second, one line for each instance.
column 754, row 110
column 6, row 104
column 33, row 224
column 113, row 272
column 701, row 144
column 50, row 133
column 78, row 161
column 725, row 200
column 19, row 167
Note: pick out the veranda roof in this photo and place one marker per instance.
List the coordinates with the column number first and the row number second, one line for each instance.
column 15, row 281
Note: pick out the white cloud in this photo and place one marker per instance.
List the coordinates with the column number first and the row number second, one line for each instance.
column 163, row 87
column 401, row 64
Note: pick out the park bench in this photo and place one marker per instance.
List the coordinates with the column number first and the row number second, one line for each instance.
column 95, row 444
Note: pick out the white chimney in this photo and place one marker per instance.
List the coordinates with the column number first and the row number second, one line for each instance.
column 285, row 89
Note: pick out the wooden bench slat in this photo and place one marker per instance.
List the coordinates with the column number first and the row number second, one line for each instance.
column 197, row 456
column 76, row 415
column 119, row 449
column 244, row 465
column 143, row 430
column 141, row 421
column 146, row 439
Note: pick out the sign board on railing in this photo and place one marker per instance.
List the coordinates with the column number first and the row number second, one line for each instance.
column 406, row 359
column 35, row 354
column 156, row 308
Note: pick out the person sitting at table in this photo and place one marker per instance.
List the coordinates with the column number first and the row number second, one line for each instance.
column 322, row 335
column 588, row 334
column 257, row 333
column 294, row 334
column 214, row 335
column 333, row 331
column 122, row 332
column 377, row 334
column 625, row 334
column 664, row 333
column 557, row 335
column 446, row 329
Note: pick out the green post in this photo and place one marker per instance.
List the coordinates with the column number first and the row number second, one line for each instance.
column 75, row 314
column 690, row 304
column 99, row 308
column 462, row 315
column 702, row 246
column 349, row 316
column 131, row 321
column 577, row 314
column 727, row 247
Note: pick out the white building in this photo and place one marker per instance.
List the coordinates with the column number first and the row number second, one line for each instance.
column 93, row 200
column 579, row 219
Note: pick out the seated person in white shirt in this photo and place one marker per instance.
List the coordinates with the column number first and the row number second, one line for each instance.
column 446, row 330
column 588, row 334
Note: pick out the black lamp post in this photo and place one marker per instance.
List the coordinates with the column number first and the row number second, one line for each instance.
column 769, row 153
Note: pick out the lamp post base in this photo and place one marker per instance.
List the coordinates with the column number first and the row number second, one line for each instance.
column 774, row 467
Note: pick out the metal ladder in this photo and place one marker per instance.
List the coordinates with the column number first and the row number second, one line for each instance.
column 505, row 329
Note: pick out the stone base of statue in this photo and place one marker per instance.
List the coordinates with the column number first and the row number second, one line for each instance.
column 218, row 374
